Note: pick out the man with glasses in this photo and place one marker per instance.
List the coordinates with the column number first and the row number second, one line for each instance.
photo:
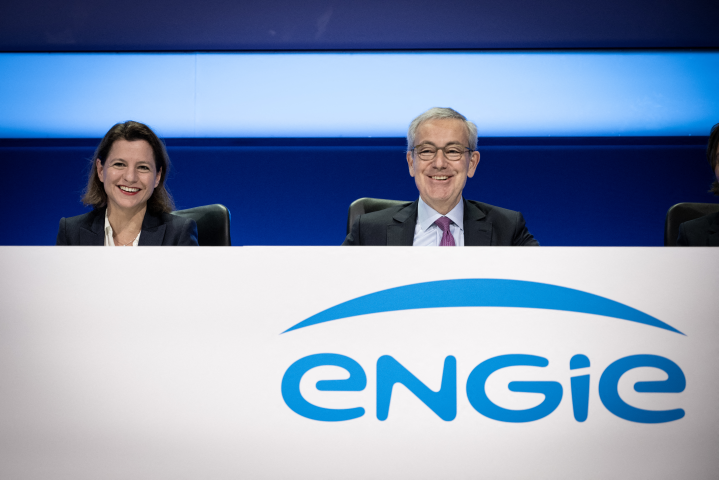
column 441, row 155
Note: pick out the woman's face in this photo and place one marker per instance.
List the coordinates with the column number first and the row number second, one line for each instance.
column 129, row 175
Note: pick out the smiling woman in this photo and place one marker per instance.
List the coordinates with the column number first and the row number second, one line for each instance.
column 126, row 187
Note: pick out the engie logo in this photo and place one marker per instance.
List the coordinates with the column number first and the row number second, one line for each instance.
column 484, row 293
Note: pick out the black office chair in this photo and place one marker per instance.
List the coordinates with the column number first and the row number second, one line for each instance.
column 683, row 212
column 213, row 224
column 368, row 205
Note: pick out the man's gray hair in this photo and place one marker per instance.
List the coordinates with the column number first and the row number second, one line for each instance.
column 438, row 113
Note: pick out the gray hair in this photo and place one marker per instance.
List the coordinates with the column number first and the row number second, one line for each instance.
column 438, row 113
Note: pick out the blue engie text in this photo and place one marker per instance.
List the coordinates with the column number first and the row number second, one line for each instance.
column 444, row 402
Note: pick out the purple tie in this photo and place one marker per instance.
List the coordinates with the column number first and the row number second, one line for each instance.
column 447, row 238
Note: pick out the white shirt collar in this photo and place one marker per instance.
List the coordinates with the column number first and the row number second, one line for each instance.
column 426, row 215
column 109, row 241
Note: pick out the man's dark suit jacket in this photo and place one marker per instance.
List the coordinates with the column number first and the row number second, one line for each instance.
column 484, row 225
column 700, row 232
column 157, row 230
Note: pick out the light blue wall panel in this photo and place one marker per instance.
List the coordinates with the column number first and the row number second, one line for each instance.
column 359, row 94
column 83, row 95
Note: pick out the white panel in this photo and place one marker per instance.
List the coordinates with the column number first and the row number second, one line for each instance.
column 167, row 363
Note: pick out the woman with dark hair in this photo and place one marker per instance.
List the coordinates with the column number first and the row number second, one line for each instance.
column 704, row 231
column 126, row 187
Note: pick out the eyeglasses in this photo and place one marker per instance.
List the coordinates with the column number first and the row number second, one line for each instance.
column 451, row 152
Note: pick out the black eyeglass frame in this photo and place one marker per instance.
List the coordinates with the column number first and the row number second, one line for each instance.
column 468, row 149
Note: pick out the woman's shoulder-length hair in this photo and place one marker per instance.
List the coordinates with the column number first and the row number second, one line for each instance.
column 161, row 200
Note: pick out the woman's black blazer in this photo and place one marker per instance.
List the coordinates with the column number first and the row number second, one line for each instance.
column 157, row 230
column 700, row 232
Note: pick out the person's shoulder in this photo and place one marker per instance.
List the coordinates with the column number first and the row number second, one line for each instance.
column 701, row 223
column 697, row 232
column 371, row 228
column 69, row 231
column 492, row 210
column 83, row 219
column 385, row 215
column 175, row 220
column 509, row 225
column 179, row 230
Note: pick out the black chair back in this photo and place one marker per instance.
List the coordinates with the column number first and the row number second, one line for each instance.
column 368, row 205
column 213, row 224
column 683, row 212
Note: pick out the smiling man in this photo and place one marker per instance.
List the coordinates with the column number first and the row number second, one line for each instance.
column 441, row 155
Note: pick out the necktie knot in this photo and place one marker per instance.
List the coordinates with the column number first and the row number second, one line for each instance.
column 447, row 238
column 443, row 223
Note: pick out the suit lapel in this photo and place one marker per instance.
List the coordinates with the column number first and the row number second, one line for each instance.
column 477, row 231
column 92, row 233
column 153, row 231
column 401, row 232
column 714, row 232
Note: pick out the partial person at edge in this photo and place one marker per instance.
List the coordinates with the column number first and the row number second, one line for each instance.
column 704, row 231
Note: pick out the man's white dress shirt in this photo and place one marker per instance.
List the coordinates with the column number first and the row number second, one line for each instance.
column 428, row 234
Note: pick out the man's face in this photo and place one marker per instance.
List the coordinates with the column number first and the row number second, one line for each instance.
column 440, row 181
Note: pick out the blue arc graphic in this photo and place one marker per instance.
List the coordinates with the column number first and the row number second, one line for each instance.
column 482, row 292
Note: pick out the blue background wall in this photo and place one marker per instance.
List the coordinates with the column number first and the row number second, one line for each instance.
column 593, row 146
